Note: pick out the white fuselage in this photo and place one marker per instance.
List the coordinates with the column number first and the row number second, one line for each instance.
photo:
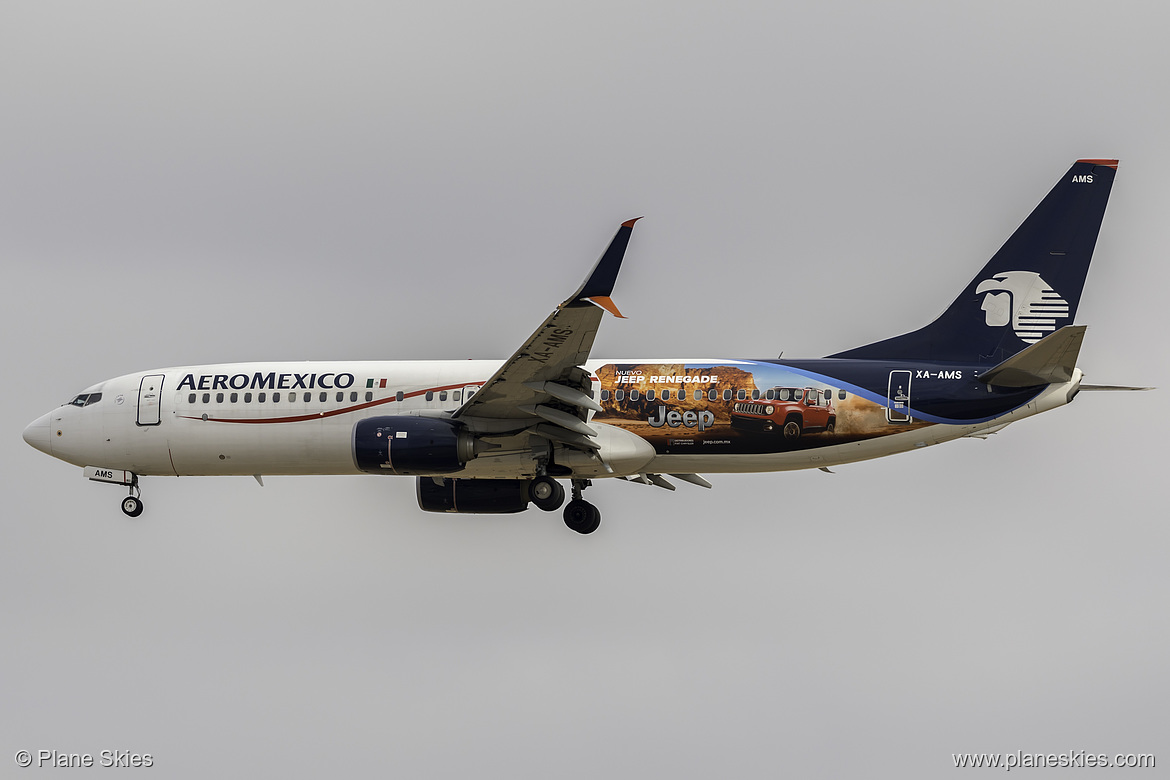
column 298, row 418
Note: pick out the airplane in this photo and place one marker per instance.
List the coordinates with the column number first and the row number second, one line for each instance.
column 496, row 436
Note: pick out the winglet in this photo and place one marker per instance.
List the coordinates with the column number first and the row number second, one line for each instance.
column 598, row 287
column 605, row 302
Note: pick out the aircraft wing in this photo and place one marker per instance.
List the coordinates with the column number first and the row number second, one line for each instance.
column 544, row 384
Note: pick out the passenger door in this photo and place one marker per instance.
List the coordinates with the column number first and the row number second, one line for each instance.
column 149, row 396
column 898, row 393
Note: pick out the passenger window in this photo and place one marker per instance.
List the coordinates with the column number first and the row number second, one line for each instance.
column 234, row 397
column 292, row 397
column 828, row 395
column 797, row 395
column 755, row 395
column 442, row 395
column 191, row 398
column 770, row 395
column 308, row 397
column 619, row 395
column 369, row 396
column 712, row 394
column 741, row 395
column 430, row 395
column 324, row 397
column 840, row 395
column 276, row 398
column 649, row 395
column 219, row 398
column 399, row 396
column 260, row 398
column 665, row 395
column 727, row 395
column 353, row 397
column 207, row 398
column 247, row 398
column 604, row 395
column 458, row 394
column 634, row 394
column 698, row 395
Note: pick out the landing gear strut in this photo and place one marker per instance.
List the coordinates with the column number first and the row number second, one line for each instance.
column 580, row 515
column 132, row 504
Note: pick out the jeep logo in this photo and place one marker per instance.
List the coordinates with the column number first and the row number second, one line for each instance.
column 703, row 419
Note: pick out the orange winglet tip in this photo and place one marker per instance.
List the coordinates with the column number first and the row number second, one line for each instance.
column 630, row 223
column 605, row 302
column 1107, row 163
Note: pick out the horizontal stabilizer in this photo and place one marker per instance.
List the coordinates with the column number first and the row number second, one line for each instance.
column 1112, row 388
column 1050, row 360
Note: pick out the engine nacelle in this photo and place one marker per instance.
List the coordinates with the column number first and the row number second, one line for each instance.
column 473, row 496
column 411, row 445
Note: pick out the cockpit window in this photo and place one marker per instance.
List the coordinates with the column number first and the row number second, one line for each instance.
column 78, row 400
column 93, row 398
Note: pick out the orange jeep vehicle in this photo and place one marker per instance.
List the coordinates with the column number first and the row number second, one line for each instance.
column 791, row 410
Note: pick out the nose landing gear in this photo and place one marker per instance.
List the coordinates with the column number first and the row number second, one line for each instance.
column 132, row 504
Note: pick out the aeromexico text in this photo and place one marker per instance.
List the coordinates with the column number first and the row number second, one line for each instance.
column 269, row 381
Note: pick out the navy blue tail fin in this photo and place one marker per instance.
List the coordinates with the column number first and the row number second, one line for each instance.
column 1030, row 288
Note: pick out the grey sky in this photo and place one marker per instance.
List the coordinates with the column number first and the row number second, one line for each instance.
column 204, row 182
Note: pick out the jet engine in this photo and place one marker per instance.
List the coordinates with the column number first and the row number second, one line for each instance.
column 411, row 445
column 473, row 496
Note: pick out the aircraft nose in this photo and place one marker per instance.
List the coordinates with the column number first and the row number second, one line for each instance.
column 37, row 434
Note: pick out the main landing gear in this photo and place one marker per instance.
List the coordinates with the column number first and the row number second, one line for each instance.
column 580, row 515
column 548, row 495
column 132, row 504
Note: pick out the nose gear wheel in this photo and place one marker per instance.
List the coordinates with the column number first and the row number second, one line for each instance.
column 132, row 504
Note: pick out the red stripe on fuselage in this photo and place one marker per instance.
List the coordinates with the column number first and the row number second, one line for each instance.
column 331, row 412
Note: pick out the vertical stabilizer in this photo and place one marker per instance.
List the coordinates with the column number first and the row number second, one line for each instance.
column 1029, row 289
